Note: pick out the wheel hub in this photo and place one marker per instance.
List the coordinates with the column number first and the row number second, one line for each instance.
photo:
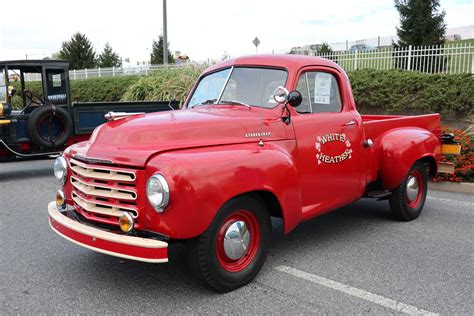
column 413, row 188
column 236, row 240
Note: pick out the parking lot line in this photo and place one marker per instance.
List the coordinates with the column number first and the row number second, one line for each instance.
column 370, row 297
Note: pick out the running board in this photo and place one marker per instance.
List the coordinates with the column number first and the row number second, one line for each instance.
column 379, row 194
column 28, row 155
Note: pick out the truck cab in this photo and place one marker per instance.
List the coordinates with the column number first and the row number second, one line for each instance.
column 258, row 137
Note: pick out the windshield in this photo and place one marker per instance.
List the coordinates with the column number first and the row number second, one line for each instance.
column 3, row 88
column 239, row 85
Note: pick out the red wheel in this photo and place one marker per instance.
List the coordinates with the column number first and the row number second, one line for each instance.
column 237, row 241
column 234, row 248
column 414, row 188
column 408, row 198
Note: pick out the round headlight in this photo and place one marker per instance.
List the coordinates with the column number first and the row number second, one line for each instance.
column 60, row 169
column 158, row 192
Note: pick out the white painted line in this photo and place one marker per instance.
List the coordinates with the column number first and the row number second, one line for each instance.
column 370, row 297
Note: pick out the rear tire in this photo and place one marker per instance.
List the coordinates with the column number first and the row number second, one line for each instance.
column 234, row 248
column 408, row 199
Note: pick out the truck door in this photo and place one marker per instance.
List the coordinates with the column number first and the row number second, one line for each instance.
column 329, row 145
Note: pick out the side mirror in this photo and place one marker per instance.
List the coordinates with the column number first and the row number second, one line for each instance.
column 280, row 94
column 295, row 98
column 11, row 91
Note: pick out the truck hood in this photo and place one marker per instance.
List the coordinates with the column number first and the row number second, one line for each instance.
column 134, row 140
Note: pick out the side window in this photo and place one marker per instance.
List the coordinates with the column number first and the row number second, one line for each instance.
column 320, row 92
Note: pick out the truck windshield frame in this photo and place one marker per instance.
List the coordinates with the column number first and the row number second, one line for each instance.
column 247, row 85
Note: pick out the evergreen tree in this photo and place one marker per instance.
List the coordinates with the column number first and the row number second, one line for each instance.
column 157, row 52
column 420, row 23
column 78, row 51
column 108, row 58
column 324, row 48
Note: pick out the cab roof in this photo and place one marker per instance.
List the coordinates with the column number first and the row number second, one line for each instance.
column 34, row 64
column 279, row 61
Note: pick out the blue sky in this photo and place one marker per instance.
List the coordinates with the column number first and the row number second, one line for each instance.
column 205, row 28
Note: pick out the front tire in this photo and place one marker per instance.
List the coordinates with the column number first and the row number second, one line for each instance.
column 408, row 199
column 234, row 248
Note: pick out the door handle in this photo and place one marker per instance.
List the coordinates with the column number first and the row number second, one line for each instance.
column 350, row 123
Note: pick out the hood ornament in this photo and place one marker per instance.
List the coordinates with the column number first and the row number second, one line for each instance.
column 112, row 116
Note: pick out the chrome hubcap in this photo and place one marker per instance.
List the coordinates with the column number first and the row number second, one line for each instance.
column 236, row 240
column 413, row 187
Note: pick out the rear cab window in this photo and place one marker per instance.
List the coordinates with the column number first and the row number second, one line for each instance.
column 320, row 92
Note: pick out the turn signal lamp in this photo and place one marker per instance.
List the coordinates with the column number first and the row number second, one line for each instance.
column 126, row 222
column 60, row 199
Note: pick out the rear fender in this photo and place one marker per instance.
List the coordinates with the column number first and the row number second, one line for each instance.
column 401, row 148
column 201, row 180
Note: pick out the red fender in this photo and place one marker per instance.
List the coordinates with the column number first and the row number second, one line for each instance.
column 201, row 180
column 400, row 149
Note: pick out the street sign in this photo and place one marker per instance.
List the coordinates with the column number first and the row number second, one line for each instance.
column 256, row 42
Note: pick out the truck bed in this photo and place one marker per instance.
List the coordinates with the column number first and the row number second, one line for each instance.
column 376, row 126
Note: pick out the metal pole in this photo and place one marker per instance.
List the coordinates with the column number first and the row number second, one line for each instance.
column 165, row 35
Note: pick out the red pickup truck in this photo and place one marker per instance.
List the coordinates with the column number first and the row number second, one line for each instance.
column 241, row 150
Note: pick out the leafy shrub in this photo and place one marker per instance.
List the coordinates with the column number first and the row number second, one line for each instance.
column 164, row 84
column 101, row 89
column 406, row 92
column 463, row 166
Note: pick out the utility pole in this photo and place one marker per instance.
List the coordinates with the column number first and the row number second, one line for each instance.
column 165, row 35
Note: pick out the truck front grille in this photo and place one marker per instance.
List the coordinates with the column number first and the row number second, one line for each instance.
column 103, row 193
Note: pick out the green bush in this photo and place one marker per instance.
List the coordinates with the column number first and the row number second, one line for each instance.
column 164, row 84
column 405, row 92
column 101, row 89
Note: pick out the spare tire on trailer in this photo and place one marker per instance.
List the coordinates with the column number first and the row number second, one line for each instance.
column 49, row 126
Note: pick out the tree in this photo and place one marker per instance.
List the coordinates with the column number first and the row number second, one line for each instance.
column 108, row 58
column 157, row 52
column 421, row 24
column 324, row 48
column 78, row 51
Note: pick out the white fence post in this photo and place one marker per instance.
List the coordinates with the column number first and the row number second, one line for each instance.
column 355, row 60
column 99, row 73
column 409, row 58
column 74, row 72
column 85, row 71
column 113, row 71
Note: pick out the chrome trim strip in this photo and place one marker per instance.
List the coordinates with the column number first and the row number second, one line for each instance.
column 110, row 192
column 103, row 208
column 89, row 172
column 225, row 84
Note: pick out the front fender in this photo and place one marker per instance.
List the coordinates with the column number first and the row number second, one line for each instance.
column 201, row 180
column 400, row 149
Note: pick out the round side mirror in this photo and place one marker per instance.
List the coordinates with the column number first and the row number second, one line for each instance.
column 11, row 91
column 280, row 94
column 295, row 98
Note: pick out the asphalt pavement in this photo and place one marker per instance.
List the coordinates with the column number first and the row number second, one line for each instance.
column 354, row 260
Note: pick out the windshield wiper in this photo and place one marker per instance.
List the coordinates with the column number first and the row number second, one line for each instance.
column 209, row 101
column 234, row 102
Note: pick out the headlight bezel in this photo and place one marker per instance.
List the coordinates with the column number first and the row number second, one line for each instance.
column 161, row 204
column 60, row 162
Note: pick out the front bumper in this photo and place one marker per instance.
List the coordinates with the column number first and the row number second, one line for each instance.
column 123, row 246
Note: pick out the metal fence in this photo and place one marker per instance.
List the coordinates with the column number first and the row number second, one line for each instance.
column 108, row 72
column 449, row 59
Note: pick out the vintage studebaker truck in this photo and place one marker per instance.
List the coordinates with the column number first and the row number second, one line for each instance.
column 243, row 149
